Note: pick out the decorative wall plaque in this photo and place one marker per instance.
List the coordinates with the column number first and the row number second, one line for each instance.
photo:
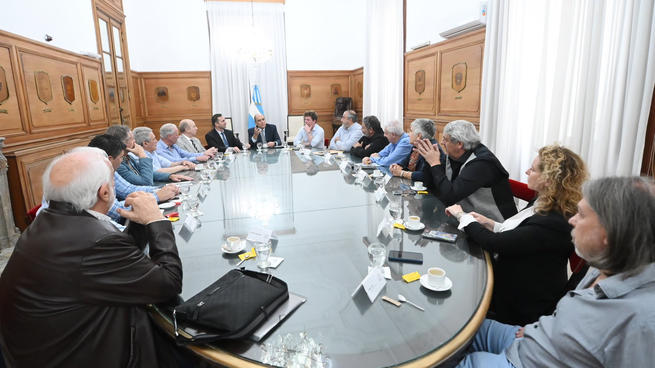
column 305, row 91
column 4, row 88
column 94, row 91
column 193, row 93
column 68, row 85
column 335, row 90
column 43, row 86
column 360, row 89
column 459, row 77
column 419, row 81
column 161, row 94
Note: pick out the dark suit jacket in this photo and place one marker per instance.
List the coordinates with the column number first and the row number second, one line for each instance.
column 271, row 135
column 75, row 290
column 417, row 174
column 214, row 140
column 530, row 269
column 376, row 144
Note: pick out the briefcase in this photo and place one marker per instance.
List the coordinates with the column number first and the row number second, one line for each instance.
column 233, row 307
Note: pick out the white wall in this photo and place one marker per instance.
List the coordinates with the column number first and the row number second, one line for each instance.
column 325, row 34
column 167, row 35
column 427, row 18
column 70, row 22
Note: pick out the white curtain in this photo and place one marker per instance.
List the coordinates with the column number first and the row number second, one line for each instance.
column 577, row 72
column 232, row 77
column 383, row 63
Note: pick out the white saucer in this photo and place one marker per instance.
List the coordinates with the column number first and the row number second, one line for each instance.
column 167, row 205
column 421, row 226
column 238, row 250
column 446, row 287
column 418, row 189
column 377, row 176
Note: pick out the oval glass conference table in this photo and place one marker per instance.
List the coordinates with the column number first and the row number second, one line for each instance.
column 325, row 219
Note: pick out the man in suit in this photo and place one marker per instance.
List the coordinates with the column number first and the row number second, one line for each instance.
column 222, row 138
column 264, row 133
column 75, row 290
column 188, row 140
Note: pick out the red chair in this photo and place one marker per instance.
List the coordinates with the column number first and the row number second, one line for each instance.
column 31, row 214
column 521, row 190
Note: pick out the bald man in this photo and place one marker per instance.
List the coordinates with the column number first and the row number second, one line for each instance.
column 264, row 133
column 188, row 140
column 73, row 275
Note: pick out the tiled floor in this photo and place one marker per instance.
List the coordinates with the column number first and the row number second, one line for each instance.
column 4, row 257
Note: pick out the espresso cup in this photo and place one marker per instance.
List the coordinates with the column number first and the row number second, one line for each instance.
column 436, row 277
column 233, row 243
column 418, row 184
column 377, row 172
column 414, row 221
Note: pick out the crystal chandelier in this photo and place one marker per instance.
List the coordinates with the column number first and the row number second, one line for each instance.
column 253, row 45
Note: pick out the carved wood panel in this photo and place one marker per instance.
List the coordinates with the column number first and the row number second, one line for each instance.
column 421, row 79
column 461, row 79
column 93, row 94
column 176, row 100
column 10, row 115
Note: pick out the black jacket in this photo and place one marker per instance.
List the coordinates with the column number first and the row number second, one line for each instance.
column 529, row 267
column 75, row 290
column 214, row 140
column 371, row 145
column 271, row 135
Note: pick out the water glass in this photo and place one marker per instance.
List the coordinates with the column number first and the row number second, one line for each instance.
column 263, row 251
column 205, row 175
column 194, row 203
column 184, row 189
column 376, row 254
column 259, row 146
column 395, row 209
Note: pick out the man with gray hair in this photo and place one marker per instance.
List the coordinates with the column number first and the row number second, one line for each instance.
column 411, row 167
column 188, row 140
column 75, row 290
column 609, row 319
column 470, row 175
column 397, row 148
column 145, row 138
column 373, row 139
column 168, row 148
column 348, row 134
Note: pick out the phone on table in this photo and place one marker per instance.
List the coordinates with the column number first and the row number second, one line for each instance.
column 440, row 235
column 402, row 256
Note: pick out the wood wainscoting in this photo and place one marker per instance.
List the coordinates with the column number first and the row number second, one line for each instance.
column 51, row 100
column 318, row 90
column 168, row 97
column 443, row 81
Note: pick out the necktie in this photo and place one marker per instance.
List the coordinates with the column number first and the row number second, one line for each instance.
column 224, row 140
column 263, row 137
column 194, row 145
column 128, row 162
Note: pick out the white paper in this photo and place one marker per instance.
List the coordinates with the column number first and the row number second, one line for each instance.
column 260, row 234
column 372, row 285
column 361, row 175
column 383, row 227
column 379, row 194
column 191, row 223
column 366, row 180
column 199, row 167
column 275, row 261
column 387, row 272
column 343, row 165
column 386, row 179
column 202, row 191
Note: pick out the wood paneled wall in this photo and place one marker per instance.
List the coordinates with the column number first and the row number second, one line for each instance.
column 318, row 90
column 442, row 81
column 166, row 97
column 51, row 100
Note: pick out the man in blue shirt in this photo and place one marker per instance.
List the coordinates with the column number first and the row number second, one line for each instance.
column 167, row 147
column 349, row 133
column 397, row 149
column 311, row 134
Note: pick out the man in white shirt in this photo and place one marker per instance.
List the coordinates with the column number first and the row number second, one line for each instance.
column 311, row 134
column 349, row 133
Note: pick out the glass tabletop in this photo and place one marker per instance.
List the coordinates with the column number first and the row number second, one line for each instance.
column 325, row 217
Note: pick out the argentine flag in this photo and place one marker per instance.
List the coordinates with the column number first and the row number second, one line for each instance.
column 255, row 106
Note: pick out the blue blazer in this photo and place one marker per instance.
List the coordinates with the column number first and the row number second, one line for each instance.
column 145, row 174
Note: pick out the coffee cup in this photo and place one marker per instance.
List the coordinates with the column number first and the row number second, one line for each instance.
column 418, row 185
column 436, row 277
column 233, row 243
column 414, row 221
column 377, row 173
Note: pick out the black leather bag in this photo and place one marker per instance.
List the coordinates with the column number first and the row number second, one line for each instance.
column 233, row 307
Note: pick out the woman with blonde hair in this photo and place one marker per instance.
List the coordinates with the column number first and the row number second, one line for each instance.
column 531, row 248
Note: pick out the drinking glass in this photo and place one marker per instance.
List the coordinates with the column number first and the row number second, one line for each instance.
column 194, row 203
column 184, row 189
column 259, row 146
column 204, row 175
column 263, row 251
column 376, row 254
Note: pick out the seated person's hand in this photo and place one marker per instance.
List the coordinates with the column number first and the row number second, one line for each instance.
column 236, row 149
column 189, row 165
column 358, row 144
column 484, row 221
column 166, row 192
column 246, row 146
column 202, row 158
column 395, row 169
column 307, row 129
column 375, row 155
column 428, row 151
column 366, row 160
column 175, row 177
column 271, row 144
column 144, row 208
column 336, row 139
column 453, row 210
column 519, row 333
column 138, row 151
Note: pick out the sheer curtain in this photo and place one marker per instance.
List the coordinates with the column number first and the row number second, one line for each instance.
column 233, row 78
column 577, row 72
column 383, row 64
